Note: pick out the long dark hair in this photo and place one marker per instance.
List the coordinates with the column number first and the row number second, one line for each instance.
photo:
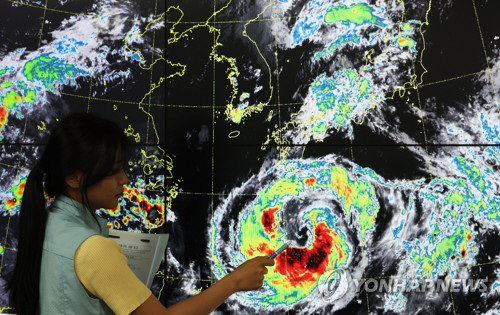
column 81, row 142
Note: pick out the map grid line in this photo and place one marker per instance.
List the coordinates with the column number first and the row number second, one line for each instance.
column 301, row 103
column 484, row 51
column 151, row 72
column 214, row 47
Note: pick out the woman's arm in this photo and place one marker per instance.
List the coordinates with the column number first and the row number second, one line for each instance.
column 248, row 276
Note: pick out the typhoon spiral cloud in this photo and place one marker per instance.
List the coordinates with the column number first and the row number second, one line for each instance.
column 329, row 210
column 308, row 203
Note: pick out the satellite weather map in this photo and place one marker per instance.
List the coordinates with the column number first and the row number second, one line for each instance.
column 364, row 133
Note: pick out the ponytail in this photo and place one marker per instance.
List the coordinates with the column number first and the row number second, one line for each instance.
column 32, row 221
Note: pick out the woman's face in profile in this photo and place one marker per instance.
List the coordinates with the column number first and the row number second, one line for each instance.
column 105, row 194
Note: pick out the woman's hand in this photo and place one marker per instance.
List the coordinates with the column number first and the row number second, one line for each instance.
column 250, row 275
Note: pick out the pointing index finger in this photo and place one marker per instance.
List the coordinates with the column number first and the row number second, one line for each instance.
column 268, row 262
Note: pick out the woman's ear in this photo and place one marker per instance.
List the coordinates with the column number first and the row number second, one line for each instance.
column 74, row 180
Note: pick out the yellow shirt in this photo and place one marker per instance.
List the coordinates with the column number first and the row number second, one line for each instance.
column 102, row 268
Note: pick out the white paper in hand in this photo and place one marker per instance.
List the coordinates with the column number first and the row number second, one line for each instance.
column 144, row 252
